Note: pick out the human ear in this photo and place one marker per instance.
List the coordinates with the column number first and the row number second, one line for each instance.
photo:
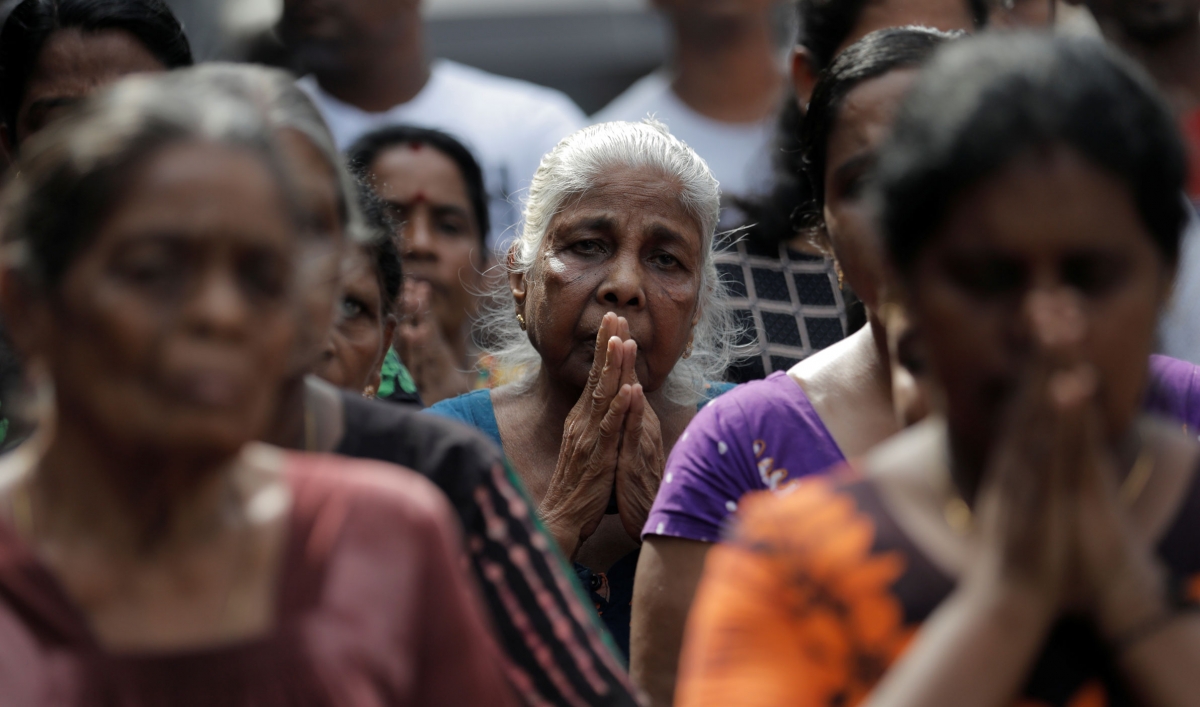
column 804, row 75
column 516, row 280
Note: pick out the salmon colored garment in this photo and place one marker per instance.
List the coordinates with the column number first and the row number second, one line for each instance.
column 372, row 608
column 819, row 591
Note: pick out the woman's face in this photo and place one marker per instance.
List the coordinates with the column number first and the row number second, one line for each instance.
column 1048, row 228
column 73, row 65
column 170, row 332
column 439, row 238
column 359, row 340
column 626, row 246
column 319, row 257
column 862, row 124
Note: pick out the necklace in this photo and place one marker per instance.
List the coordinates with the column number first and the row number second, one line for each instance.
column 959, row 516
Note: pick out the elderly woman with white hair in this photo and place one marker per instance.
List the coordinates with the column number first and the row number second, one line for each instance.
column 613, row 317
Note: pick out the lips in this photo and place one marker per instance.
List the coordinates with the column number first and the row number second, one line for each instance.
column 211, row 388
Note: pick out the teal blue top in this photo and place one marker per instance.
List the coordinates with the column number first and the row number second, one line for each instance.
column 475, row 408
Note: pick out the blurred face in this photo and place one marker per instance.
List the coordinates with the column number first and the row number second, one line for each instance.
column 359, row 340
column 319, row 254
column 716, row 9
column 171, row 331
column 864, row 119
column 340, row 34
column 440, row 241
column 72, row 66
column 625, row 246
column 945, row 15
column 1147, row 20
column 1048, row 228
column 1021, row 13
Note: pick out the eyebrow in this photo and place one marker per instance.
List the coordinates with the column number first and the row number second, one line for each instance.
column 46, row 104
column 861, row 161
column 665, row 233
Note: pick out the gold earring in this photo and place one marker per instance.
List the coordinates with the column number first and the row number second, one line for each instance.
column 687, row 353
column 369, row 392
column 521, row 321
column 837, row 267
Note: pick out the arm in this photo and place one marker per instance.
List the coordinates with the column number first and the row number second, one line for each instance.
column 1161, row 667
column 668, row 572
column 980, row 642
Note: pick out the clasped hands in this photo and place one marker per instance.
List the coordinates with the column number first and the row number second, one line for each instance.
column 1052, row 524
column 611, row 448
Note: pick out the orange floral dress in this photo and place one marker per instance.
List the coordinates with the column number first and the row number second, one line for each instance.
column 819, row 591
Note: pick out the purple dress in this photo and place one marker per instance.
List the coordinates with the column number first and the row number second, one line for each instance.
column 763, row 434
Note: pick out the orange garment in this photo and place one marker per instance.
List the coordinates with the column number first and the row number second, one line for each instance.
column 819, row 592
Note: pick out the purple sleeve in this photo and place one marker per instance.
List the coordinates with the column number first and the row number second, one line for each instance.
column 711, row 467
column 1173, row 391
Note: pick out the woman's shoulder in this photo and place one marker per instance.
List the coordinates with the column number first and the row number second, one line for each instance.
column 788, row 517
column 331, row 492
column 474, row 409
column 766, row 421
column 1173, row 391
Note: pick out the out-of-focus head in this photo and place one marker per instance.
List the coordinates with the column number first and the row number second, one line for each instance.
column 848, row 118
column 715, row 10
column 340, row 35
column 433, row 188
column 1146, row 21
column 620, row 217
column 829, row 26
column 162, row 302
column 328, row 193
column 1029, row 177
column 371, row 281
column 54, row 53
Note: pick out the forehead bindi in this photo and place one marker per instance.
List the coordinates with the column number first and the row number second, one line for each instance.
column 412, row 174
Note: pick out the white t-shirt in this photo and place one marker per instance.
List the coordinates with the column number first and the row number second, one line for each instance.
column 1179, row 329
column 737, row 153
column 507, row 124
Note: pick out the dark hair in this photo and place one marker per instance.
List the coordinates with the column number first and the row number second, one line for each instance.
column 824, row 25
column 32, row 23
column 381, row 249
column 875, row 55
column 367, row 149
column 984, row 101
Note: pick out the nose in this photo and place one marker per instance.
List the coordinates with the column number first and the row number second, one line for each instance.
column 218, row 306
column 622, row 287
column 420, row 243
column 1055, row 318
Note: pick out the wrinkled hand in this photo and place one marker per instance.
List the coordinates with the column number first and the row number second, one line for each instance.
column 586, row 472
column 640, row 464
column 423, row 349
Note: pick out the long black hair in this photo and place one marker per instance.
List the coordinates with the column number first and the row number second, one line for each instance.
column 32, row 23
column 984, row 101
column 824, row 25
column 875, row 55
column 367, row 149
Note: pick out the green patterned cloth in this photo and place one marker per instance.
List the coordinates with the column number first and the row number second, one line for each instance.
column 395, row 376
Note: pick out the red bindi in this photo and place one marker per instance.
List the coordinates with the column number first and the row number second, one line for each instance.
column 415, row 146
column 419, row 197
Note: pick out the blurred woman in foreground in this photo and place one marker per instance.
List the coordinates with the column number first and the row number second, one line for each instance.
column 1034, row 541
column 554, row 647
column 150, row 553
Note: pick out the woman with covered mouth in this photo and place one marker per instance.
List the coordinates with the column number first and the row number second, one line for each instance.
column 614, row 318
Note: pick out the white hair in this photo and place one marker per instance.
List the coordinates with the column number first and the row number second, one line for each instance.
column 571, row 169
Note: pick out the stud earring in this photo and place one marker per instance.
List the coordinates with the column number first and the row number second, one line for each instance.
column 521, row 321
column 369, row 392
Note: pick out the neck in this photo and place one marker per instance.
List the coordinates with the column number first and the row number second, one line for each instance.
column 392, row 76
column 728, row 70
column 131, row 502
column 1173, row 61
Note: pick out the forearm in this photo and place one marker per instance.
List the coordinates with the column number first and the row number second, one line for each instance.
column 980, row 642
column 1161, row 667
